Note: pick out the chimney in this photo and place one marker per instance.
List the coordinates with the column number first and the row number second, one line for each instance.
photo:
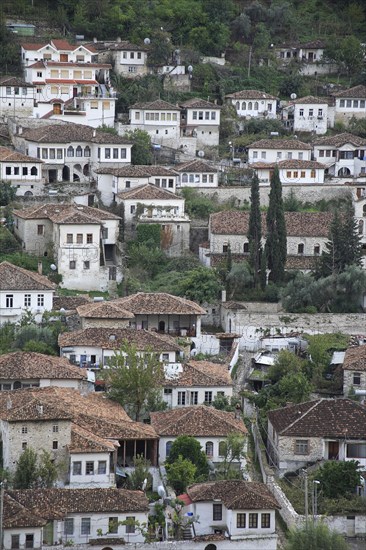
column 39, row 269
column 95, row 39
column 223, row 296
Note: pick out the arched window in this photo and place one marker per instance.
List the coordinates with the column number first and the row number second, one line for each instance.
column 209, row 449
column 250, row 106
column 256, row 106
column 79, row 151
column 244, row 106
column 17, row 385
column 34, row 171
column 168, row 447
column 87, row 151
column 70, row 151
column 246, row 248
column 237, row 106
column 222, row 448
column 184, row 178
column 300, row 248
column 360, row 227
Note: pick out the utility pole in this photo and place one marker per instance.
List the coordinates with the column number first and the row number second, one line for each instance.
column 2, row 487
column 306, row 498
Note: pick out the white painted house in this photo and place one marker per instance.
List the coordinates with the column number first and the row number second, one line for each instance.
column 129, row 60
column 84, row 242
column 35, row 518
column 200, row 119
column 160, row 119
column 23, row 291
column 309, row 57
column 344, row 155
column 196, row 173
column 208, row 425
column 274, row 150
column 310, row 114
column 23, row 172
column 253, row 103
column 350, row 103
column 307, row 172
column 243, row 511
column 16, row 96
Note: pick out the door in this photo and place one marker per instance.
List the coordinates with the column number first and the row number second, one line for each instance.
column 64, row 58
column 83, row 360
column 351, row 526
column 333, row 450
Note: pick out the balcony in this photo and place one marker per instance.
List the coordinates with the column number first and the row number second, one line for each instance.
column 10, row 311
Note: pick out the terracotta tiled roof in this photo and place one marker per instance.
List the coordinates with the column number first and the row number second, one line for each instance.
column 141, row 171
column 148, row 192
column 104, row 310
column 250, row 94
column 14, row 81
column 197, row 103
column 202, row 373
column 69, row 133
column 298, row 224
column 69, row 303
column 60, row 213
column 113, row 338
column 83, row 441
column 51, row 504
column 355, row 359
column 340, row 418
column 13, row 277
column 160, row 303
column 17, row 516
column 341, row 139
column 197, row 421
column 279, row 144
column 195, row 166
column 34, row 46
column 309, row 100
column 357, row 92
column 61, row 44
column 157, row 105
column 288, row 164
column 22, row 365
column 313, row 44
column 236, row 495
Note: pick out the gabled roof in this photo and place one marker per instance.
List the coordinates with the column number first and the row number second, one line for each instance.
column 250, row 94
column 201, row 373
column 9, row 155
column 14, row 81
column 195, row 166
column 339, row 418
column 196, row 421
column 16, row 515
column 140, row 171
column 310, row 99
column 13, row 277
column 114, row 338
column 236, row 495
column 160, row 303
column 288, row 163
column 341, row 139
column 198, row 103
column 148, row 192
column 298, row 224
column 83, row 441
column 280, row 144
column 22, row 365
column 104, row 310
column 157, row 105
column 357, row 92
column 70, row 133
column 66, row 213
column 355, row 359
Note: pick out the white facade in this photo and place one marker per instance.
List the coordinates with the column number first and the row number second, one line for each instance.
column 201, row 120
column 311, row 115
column 23, row 172
column 16, row 97
column 159, row 119
column 180, row 396
column 344, row 159
column 90, row 470
column 56, row 51
column 270, row 151
column 92, row 110
column 196, row 174
column 306, row 172
column 14, row 304
column 350, row 104
column 248, row 106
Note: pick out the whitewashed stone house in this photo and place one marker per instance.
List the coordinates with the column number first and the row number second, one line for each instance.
column 310, row 114
column 16, row 96
column 354, row 370
column 23, row 172
column 350, row 103
column 253, row 103
column 275, row 150
column 23, row 291
column 307, row 172
column 308, row 55
column 160, row 119
column 200, row 119
column 196, row 173
column 343, row 154
column 128, row 60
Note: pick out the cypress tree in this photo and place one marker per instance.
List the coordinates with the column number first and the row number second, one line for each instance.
column 276, row 243
column 255, row 230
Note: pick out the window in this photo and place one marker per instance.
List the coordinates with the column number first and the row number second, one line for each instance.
column 138, row 55
column 263, row 154
column 107, row 153
column 255, row 154
column 86, row 264
column 79, row 151
column 55, row 444
column 115, row 153
column 194, row 398
column 168, row 447
column 217, row 512
column 113, row 525
column 34, row 171
column 320, row 112
column 70, row 151
column 321, row 153
column 79, row 238
column 89, row 238
column 253, row 521
column 40, row 300
column 9, row 300
column 55, row 428
column 200, row 115
column 311, row 112
column 302, row 174
column 265, row 521
column 131, row 69
column 357, row 378
column 301, row 156
column 207, row 115
column 256, row 106
column 194, row 115
column 76, row 468
column 24, row 445
column 24, row 429
column 362, row 103
column 16, row 171
column 348, row 103
column 69, row 238
column 312, row 174
column 52, row 154
column 208, row 396
column 181, row 398
column 222, row 448
column 250, row 106
column 301, row 446
column 8, row 171
column 317, row 250
column 72, row 264
column 132, row 209
column 94, row 104
column 14, row 541
column 102, row 467
column 39, row 75
column 89, row 469
column 209, row 449
column 296, row 174
column 8, row 90
column 40, row 229
column 165, row 357
column 123, row 153
column 356, row 450
column 240, row 521
column 29, row 540
column 87, row 151
column 301, row 112
column 130, row 527
column 85, row 526
column 27, row 300
column 25, row 171
column 45, row 153
column 289, row 156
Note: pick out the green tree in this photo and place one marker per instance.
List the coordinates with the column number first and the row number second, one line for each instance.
column 7, row 193
column 200, row 285
column 146, row 257
column 255, row 230
column 189, row 448
column 141, row 148
column 347, row 53
column 26, row 472
column 276, row 241
column 339, row 479
column 47, row 470
column 285, row 363
column 315, row 537
column 232, row 449
column 181, row 473
column 140, row 472
column 134, row 378
column 240, row 277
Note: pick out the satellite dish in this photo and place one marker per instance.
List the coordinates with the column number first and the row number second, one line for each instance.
column 293, row 96
column 147, row 41
column 190, row 68
column 201, row 154
column 161, row 491
column 53, row 267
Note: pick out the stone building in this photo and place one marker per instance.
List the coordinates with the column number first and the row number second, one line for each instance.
column 354, row 370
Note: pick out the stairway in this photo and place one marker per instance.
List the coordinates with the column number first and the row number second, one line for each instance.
column 187, row 533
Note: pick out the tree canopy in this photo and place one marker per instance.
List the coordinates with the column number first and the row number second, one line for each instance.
column 276, row 241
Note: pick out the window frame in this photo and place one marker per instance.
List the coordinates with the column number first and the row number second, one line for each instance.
column 217, row 511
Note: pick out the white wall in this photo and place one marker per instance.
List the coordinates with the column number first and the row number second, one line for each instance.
column 14, row 314
column 91, row 480
column 274, row 155
column 202, row 441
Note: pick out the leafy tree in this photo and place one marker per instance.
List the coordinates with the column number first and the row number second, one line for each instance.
column 315, row 537
column 200, row 285
column 149, row 234
column 36, row 338
column 133, row 378
column 140, row 472
column 339, row 479
column 223, row 403
column 276, row 242
column 47, row 470
column 240, row 277
column 26, row 472
column 141, row 149
column 232, row 450
column 347, row 53
column 181, row 473
column 255, row 230
column 189, row 448
column 150, row 259
column 7, row 193
column 285, row 363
